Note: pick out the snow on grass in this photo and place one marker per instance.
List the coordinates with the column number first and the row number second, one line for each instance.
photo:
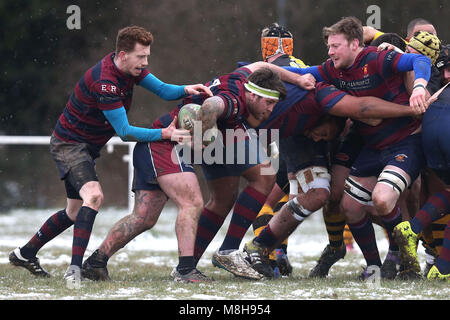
column 157, row 249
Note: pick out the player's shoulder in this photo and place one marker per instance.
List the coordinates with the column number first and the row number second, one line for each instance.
column 324, row 89
column 104, row 72
column 241, row 72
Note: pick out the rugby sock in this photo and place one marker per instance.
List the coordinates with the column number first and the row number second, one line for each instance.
column 185, row 264
column 438, row 204
column 364, row 236
column 266, row 238
column 443, row 261
column 81, row 233
column 335, row 224
column 348, row 237
column 247, row 206
column 209, row 224
column 437, row 233
column 263, row 218
column 54, row 226
column 389, row 222
column 277, row 208
column 281, row 203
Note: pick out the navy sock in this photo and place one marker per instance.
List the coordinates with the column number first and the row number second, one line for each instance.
column 246, row 209
column 266, row 238
column 208, row 226
column 82, row 233
column 436, row 207
column 364, row 236
column 185, row 264
column 54, row 226
column 389, row 222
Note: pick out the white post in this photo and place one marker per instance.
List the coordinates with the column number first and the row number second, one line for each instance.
column 43, row 140
column 129, row 158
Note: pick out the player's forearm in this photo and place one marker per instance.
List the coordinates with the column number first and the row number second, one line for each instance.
column 212, row 108
column 371, row 107
column 285, row 75
column 161, row 89
column 119, row 121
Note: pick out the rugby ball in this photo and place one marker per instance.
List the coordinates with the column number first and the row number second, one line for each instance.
column 187, row 115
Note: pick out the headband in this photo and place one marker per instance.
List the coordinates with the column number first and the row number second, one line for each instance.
column 262, row 92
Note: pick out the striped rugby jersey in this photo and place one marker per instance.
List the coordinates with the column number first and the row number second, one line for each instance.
column 306, row 109
column 230, row 88
column 375, row 74
column 102, row 87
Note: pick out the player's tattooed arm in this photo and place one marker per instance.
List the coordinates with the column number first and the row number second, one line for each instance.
column 212, row 108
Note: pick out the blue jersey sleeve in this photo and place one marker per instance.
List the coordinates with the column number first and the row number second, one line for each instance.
column 119, row 121
column 419, row 63
column 161, row 89
column 314, row 70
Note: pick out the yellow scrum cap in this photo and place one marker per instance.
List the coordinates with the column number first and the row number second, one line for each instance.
column 427, row 44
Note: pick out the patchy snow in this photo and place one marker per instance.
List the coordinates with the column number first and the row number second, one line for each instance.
column 305, row 245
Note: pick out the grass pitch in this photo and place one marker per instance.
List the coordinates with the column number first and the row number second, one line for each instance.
column 141, row 270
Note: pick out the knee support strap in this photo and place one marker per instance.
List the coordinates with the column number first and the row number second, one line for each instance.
column 297, row 210
column 393, row 179
column 356, row 191
column 314, row 178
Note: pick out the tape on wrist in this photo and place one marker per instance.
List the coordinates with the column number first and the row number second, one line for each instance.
column 419, row 85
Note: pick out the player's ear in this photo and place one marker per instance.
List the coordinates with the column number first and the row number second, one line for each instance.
column 122, row 55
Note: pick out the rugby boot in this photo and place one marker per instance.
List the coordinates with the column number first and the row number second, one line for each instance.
column 434, row 274
column 73, row 277
column 259, row 258
column 406, row 240
column 194, row 276
column 236, row 264
column 327, row 259
column 391, row 265
column 283, row 262
column 407, row 274
column 94, row 268
column 370, row 273
column 32, row 265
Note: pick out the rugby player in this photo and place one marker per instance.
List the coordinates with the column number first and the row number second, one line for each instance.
column 96, row 111
column 159, row 176
column 392, row 155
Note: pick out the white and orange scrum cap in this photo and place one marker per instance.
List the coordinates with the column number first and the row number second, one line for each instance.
column 276, row 39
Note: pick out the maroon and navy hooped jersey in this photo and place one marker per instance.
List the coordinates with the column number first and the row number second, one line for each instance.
column 102, row 87
column 375, row 74
column 230, row 88
column 308, row 111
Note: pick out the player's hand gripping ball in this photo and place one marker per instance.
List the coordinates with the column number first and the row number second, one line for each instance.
column 186, row 117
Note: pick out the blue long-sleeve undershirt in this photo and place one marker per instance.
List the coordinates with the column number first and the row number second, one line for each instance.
column 161, row 89
column 314, row 70
column 119, row 121
column 419, row 63
column 409, row 61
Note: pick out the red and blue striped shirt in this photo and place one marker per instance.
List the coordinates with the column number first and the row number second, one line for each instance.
column 375, row 74
column 102, row 87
